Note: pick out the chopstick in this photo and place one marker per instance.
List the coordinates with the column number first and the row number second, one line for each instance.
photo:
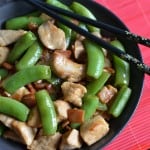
column 55, row 13
column 117, row 31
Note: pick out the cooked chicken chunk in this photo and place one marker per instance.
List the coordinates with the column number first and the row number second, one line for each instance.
column 79, row 49
column 73, row 93
column 18, row 95
column 61, row 109
column 9, row 36
column 24, row 131
column 9, row 134
column 93, row 130
column 46, row 17
column 46, row 142
column 70, row 140
column 107, row 93
column 65, row 68
column 21, row 129
column 7, row 121
column 3, row 54
column 51, row 36
column 34, row 118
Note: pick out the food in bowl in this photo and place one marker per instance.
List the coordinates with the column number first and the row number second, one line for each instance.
column 58, row 89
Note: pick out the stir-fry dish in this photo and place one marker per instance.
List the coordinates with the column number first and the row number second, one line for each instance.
column 58, row 90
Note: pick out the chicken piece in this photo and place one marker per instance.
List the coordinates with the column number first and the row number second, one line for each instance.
column 18, row 95
column 65, row 68
column 46, row 142
column 61, row 109
column 70, row 140
column 25, row 132
column 9, row 36
column 9, row 134
column 34, row 118
column 107, row 63
column 78, row 50
column 94, row 129
column 107, row 93
column 73, row 93
column 46, row 17
column 21, row 129
column 7, row 121
column 3, row 54
column 51, row 36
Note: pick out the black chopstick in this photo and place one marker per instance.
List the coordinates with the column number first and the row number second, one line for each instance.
column 117, row 31
column 42, row 6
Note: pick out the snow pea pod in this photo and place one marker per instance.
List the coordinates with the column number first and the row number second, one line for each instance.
column 102, row 106
column 82, row 10
column 122, row 68
column 90, row 104
column 120, row 101
column 58, row 4
column 94, row 86
column 33, row 14
column 21, row 46
column 31, row 56
column 26, row 76
column 22, row 22
column 3, row 73
column 13, row 108
column 95, row 59
column 47, row 112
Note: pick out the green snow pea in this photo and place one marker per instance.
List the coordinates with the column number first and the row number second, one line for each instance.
column 94, row 86
column 120, row 101
column 47, row 112
column 3, row 73
column 26, row 76
column 13, row 108
column 102, row 106
column 58, row 4
column 33, row 14
column 82, row 10
column 122, row 68
column 95, row 59
column 90, row 104
column 22, row 22
column 21, row 46
column 30, row 57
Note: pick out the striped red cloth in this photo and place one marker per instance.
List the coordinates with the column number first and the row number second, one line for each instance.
column 136, row 15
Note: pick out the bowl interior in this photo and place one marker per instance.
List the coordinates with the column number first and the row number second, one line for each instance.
column 17, row 8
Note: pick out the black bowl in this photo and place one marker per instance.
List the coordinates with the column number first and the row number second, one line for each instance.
column 17, row 8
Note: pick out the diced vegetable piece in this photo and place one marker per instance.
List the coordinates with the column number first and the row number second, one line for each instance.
column 76, row 115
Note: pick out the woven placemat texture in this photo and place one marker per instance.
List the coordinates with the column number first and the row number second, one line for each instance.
column 136, row 15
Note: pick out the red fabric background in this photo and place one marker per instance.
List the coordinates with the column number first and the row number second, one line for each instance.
column 136, row 15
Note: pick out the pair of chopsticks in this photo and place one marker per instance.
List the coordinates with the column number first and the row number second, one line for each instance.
column 56, row 13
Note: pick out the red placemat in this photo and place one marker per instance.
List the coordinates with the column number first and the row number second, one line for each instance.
column 136, row 15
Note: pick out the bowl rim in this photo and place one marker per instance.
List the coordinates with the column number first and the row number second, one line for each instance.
column 114, row 17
